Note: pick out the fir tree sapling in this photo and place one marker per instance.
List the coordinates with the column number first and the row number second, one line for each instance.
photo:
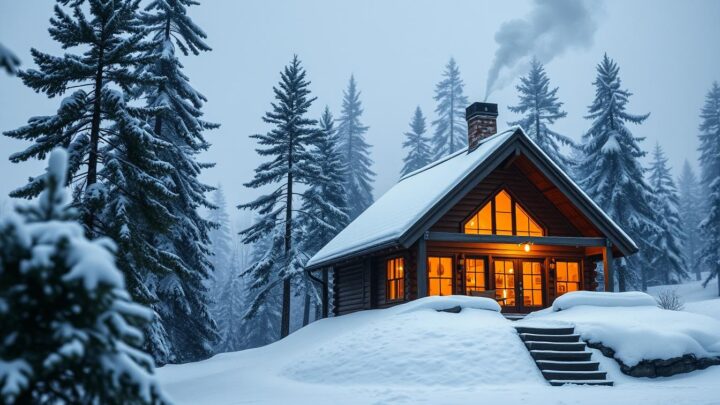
column 356, row 152
column 71, row 332
column 668, row 263
column 710, row 165
column 690, row 208
column 417, row 144
column 450, row 132
column 540, row 108
column 290, row 162
column 610, row 170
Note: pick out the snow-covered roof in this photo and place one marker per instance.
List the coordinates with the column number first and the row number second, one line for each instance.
column 417, row 193
column 407, row 201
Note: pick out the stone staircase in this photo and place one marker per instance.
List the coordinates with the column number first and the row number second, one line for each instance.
column 561, row 356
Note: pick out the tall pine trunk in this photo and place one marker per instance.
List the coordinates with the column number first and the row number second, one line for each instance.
column 306, row 310
column 285, row 319
column 95, row 137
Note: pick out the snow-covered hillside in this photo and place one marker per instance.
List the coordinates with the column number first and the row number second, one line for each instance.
column 410, row 354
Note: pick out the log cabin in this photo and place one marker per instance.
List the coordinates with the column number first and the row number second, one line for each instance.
column 497, row 219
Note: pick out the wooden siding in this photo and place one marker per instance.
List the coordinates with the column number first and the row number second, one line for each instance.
column 526, row 193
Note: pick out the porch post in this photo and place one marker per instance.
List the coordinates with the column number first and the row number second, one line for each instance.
column 325, row 293
column 608, row 267
column 422, row 268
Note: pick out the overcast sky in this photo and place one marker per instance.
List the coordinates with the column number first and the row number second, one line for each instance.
column 667, row 52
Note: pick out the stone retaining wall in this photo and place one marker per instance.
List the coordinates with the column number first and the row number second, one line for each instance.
column 659, row 367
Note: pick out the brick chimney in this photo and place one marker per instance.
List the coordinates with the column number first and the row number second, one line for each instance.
column 481, row 121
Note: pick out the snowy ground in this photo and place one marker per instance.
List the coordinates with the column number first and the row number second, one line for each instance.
column 412, row 354
column 695, row 298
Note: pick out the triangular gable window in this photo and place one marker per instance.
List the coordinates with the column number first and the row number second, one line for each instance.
column 496, row 217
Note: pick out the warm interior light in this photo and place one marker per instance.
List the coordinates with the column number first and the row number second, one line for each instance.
column 527, row 247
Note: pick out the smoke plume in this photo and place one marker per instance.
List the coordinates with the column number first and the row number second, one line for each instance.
column 551, row 28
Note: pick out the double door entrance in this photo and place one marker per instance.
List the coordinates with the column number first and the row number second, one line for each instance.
column 519, row 284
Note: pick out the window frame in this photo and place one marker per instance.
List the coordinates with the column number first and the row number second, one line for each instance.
column 484, row 271
column 399, row 282
column 580, row 282
column 513, row 202
column 453, row 260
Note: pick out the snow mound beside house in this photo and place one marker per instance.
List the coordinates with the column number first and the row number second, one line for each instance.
column 638, row 333
column 603, row 299
column 414, row 344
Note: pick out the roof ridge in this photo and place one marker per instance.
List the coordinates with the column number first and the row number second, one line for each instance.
column 456, row 154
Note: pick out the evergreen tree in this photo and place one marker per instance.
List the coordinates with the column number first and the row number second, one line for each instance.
column 71, row 332
column 291, row 161
column 667, row 264
column 610, row 171
column 178, row 121
column 356, row 152
column 221, row 241
column 690, row 212
column 230, row 307
column 450, row 127
column 418, row 154
column 128, row 189
column 8, row 60
column 540, row 108
column 261, row 323
column 325, row 210
column 710, row 164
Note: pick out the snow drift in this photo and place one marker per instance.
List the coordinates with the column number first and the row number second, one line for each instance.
column 603, row 299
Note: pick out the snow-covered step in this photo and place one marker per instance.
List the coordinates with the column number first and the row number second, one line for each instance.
column 557, row 346
column 573, row 375
column 581, row 382
column 560, row 355
column 536, row 337
column 546, row 331
column 568, row 365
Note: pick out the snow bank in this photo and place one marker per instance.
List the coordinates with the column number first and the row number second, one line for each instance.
column 446, row 302
column 415, row 345
column 638, row 333
column 603, row 299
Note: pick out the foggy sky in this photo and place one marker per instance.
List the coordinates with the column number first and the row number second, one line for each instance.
column 667, row 52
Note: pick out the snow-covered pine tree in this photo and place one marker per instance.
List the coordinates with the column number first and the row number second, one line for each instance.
column 710, row 165
column 690, row 215
column 230, row 305
column 325, row 211
column 290, row 162
column 261, row 323
column 71, row 332
column 356, row 152
column 610, row 171
column 8, row 60
column 668, row 264
column 540, row 108
column 450, row 126
column 184, row 301
column 110, row 38
column 126, row 191
column 221, row 241
column 418, row 145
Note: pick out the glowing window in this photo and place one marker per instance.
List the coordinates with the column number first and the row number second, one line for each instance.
column 440, row 276
column 501, row 209
column 395, row 285
column 568, row 276
column 505, row 282
column 532, row 284
column 474, row 275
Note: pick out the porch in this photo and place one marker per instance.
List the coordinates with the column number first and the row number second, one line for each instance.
column 524, row 273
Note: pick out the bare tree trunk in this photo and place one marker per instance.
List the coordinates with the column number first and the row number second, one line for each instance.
column 306, row 310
